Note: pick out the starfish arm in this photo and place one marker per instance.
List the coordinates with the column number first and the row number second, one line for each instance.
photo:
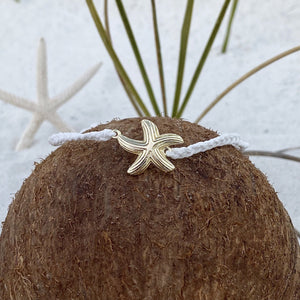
column 140, row 165
column 17, row 101
column 58, row 123
column 168, row 139
column 42, row 77
column 75, row 87
column 151, row 149
column 131, row 145
column 159, row 159
column 150, row 131
column 30, row 131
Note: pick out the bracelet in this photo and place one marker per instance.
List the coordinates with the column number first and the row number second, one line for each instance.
column 155, row 148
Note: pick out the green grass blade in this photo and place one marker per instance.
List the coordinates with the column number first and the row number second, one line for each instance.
column 232, row 14
column 203, row 57
column 114, row 56
column 137, row 56
column 243, row 78
column 272, row 154
column 159, row 59
column 106, row 20
column 129, row 95
column 185, row 30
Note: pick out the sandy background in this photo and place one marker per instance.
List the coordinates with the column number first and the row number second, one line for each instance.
column 264, row 110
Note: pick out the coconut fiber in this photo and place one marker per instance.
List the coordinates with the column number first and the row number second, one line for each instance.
column 82, row 228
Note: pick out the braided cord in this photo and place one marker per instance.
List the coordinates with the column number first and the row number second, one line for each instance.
column 99, row 136
column 175, row 153
column 222, row 140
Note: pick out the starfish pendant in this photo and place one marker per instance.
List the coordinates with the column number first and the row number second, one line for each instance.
column 151, row 149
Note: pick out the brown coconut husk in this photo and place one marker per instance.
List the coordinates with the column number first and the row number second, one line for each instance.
column 82, row 228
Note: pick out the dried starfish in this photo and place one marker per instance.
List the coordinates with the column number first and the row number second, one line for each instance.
column 46, row 107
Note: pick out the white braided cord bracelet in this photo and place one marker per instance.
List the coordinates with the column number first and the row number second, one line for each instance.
column 155, row 148
column 175, row 153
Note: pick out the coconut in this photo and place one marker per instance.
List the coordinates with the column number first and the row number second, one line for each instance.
column 82, row 228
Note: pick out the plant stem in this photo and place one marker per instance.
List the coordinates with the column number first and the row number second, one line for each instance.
column 288, row 149
column 106, row 21
column 244, row 77
column 203, row 58
column 159, row 59
column 272, row 154
column 185, row 30
column 232, row 14
column 137, row 56
column 114, row 56
column 129, row 95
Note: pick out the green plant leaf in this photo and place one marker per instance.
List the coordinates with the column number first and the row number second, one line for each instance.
column 232, row 14
column 244, row 77
column 129, row 95
column 185, row 30
column 159, row 59
column 272, row 154
column 138, row 56
column 203, row 58
column 114, row 56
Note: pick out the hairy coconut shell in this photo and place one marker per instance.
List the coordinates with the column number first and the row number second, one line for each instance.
column 82, row 228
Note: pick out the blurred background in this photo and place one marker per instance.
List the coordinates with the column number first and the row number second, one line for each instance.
column 264, row 110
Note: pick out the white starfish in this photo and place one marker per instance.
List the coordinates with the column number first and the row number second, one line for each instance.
column 45, row 108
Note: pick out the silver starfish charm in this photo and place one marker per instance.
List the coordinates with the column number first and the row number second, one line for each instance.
column 151, row 149
column 45, row 108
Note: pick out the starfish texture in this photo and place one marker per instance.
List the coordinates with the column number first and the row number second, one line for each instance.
column 151, row 149
column 45, row 108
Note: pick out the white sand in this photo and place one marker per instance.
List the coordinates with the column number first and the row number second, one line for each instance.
column 264, row 110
